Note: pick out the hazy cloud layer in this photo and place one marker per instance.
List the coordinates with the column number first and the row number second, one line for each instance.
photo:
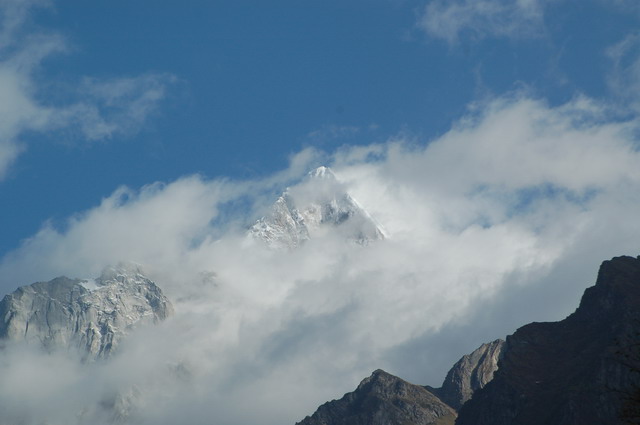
column 455, row 20
column 449, row 20
column 624, row 77
column 96, row 109
column 502, row 220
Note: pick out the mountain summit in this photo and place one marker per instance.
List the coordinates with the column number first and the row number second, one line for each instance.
column 384, row 399
column 91, row 314
column 322, row 172
column 318, row 205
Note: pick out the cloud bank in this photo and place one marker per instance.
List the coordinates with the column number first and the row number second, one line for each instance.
column 501, row 220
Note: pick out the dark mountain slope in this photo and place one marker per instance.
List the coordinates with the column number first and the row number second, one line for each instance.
column 383, row 399
column 573, row 371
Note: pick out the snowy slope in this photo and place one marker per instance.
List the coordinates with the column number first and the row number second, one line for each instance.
column 319, row 205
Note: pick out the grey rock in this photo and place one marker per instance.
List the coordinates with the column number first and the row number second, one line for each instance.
column 92, row 315
column 384, row 399
column 471, row 373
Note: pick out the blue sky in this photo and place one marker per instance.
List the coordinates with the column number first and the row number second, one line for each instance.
column 246, row 84
column 495, row 141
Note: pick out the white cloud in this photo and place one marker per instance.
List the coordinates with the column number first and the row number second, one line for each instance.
column 113, row 107
column 449, row 20
column 14, row 14
column 126, row 224
column 624, row 77
column 97, row 109
column 500, row 221
column 454, row 20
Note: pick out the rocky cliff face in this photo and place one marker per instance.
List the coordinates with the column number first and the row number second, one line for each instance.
column 384, row 399
column 297, row 216
column 576, row 371
column 93, row 315
column 471, row 373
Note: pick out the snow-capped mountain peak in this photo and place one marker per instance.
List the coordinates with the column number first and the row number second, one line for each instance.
column 317, row 205
column 123, row 272
column 322, row 172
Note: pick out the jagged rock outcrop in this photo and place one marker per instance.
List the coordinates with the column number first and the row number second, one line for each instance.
column 581, row 370
column 298, row 216
column 471, row 373
column 93, row 315
column 384, row 399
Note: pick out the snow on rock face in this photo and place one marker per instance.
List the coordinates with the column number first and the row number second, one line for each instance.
column 93, row 315
column 318, row 205
column 322, row 172
column 284, row 227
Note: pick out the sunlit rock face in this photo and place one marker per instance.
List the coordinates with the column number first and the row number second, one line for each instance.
column 92, row 315
column 471, row 373
column 384, row 399
column 319, row 205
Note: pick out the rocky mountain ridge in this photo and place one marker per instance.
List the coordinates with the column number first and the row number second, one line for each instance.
column 384, row 399
column 575, row 371
column 91, row 315
column 584, row 369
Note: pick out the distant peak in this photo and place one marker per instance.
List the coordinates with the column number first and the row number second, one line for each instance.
column 312, row 208
column 119, row 271
column 378, row 376
column 322, row 172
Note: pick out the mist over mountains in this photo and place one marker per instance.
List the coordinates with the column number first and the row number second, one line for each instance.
column 232, row 213
column 464, row 260
column 568, row 372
